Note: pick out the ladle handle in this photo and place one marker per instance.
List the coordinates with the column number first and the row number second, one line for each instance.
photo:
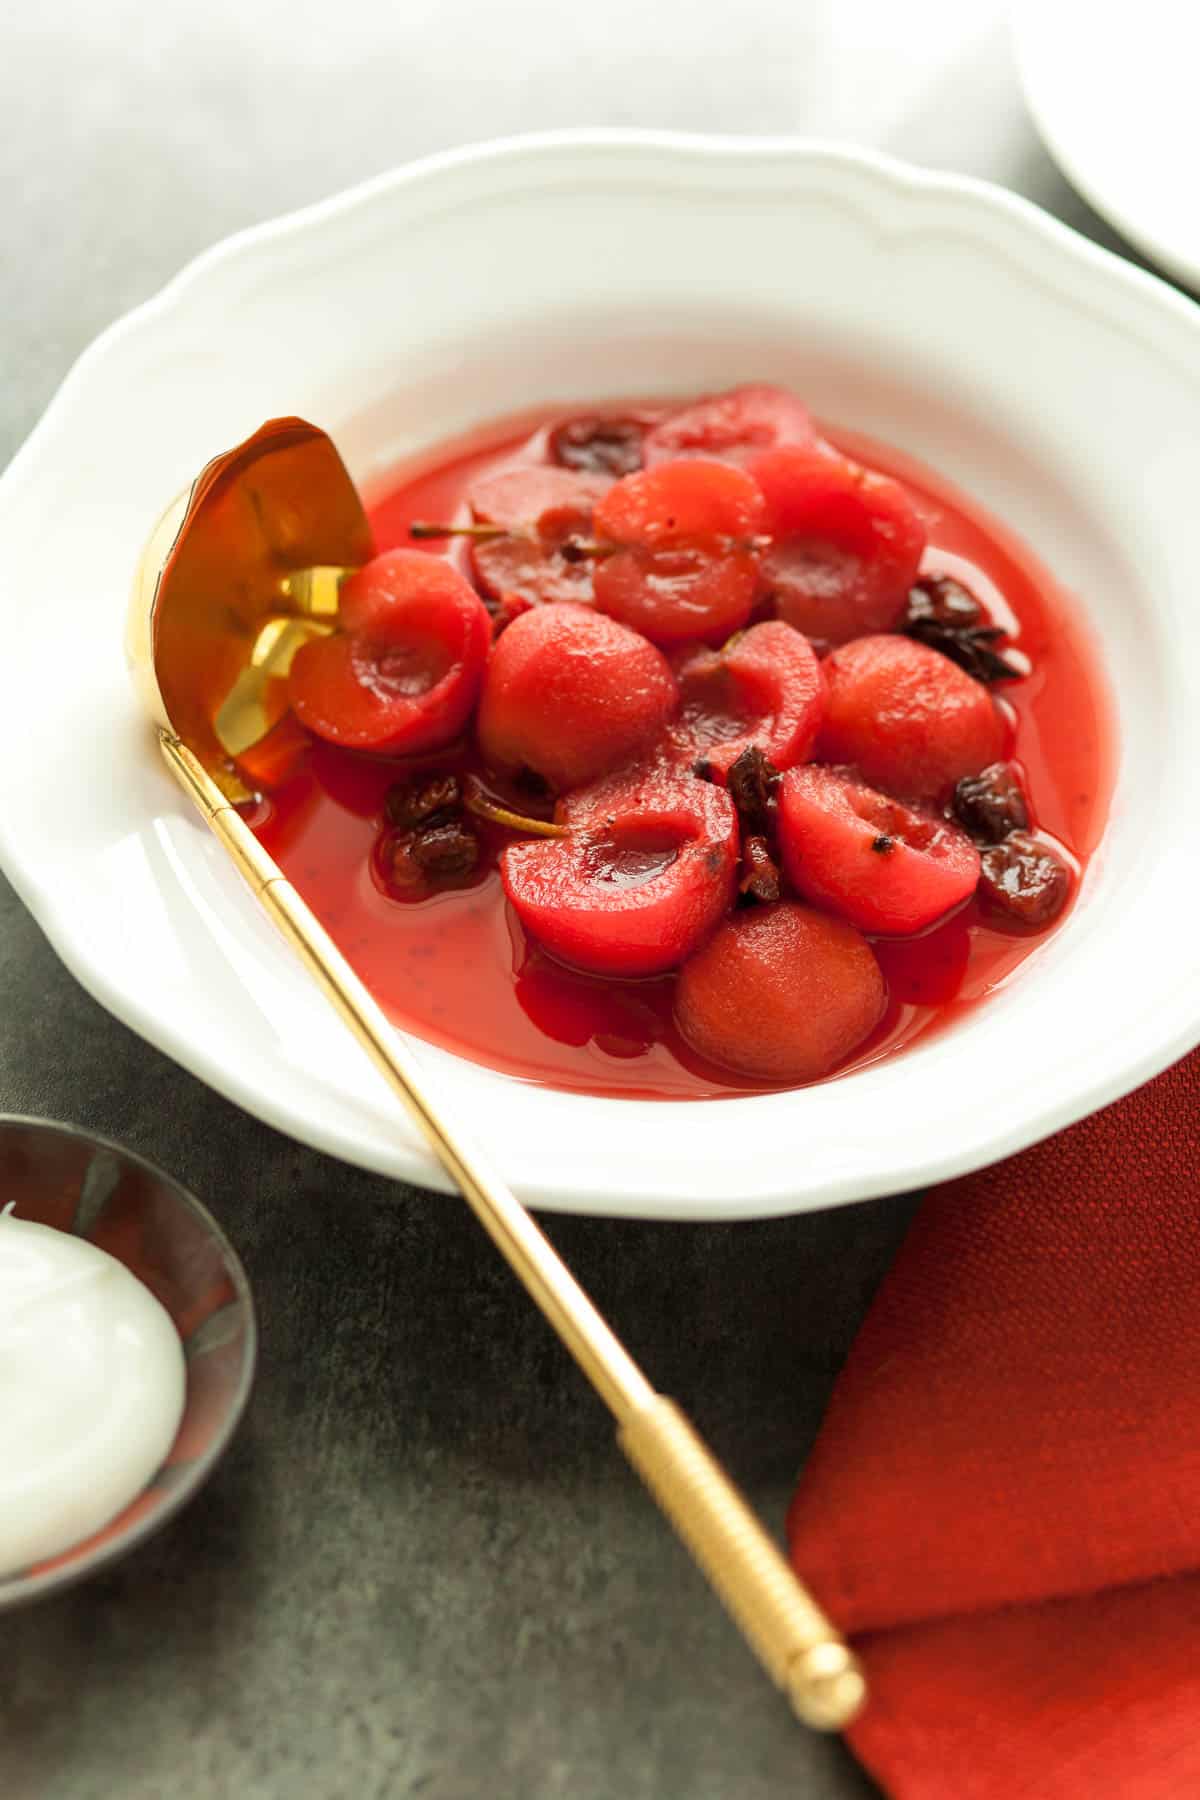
column 793, row 1639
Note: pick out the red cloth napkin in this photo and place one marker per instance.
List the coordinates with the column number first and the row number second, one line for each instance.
column 1003, row 1506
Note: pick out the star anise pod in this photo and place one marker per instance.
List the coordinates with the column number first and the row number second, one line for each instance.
column 944, row 615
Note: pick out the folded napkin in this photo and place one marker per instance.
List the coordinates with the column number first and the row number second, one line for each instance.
column 1003, row 1507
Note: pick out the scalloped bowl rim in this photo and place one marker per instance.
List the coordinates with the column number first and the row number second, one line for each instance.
column 1146, row 308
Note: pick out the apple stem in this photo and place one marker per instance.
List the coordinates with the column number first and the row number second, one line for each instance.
column 571, row 549
column 477, row 801
column 421, row 528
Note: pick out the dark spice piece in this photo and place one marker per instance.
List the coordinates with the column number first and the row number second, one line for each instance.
column 1024, row 881
column 397, row 864
column 883, row 844
column 752, row 781
column 451, row 849
column 991, row 804
column 760, row 879
column 411, row 861
column 429, row 839
column 422, row 799
column 944, row 615
column 598, row 446
column 940, row 600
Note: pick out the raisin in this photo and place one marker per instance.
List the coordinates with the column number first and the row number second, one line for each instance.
column 443, row 850
column 397, row 864
column 597, row 445
column 759, row 879
column 1024, row 881
column 411, row 862
column 991, row 804
column 426, row 838
column 421, row 799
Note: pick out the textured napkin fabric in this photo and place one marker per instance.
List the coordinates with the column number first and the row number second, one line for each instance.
column 1003, row 1507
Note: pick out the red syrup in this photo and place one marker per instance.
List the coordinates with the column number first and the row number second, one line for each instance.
column 458, row 970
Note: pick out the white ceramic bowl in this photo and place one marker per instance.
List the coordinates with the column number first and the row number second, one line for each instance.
column 1055, row 383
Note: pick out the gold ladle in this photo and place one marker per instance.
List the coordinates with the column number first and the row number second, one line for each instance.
column 236, row 575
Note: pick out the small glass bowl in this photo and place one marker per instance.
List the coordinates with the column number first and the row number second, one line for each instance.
column 60, row 1176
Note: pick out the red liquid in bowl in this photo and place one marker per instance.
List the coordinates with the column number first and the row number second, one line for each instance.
column 458, row 970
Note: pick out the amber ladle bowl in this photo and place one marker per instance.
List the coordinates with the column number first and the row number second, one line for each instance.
column 237, row 574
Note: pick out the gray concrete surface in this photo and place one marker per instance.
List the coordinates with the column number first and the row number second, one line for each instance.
column 423, row 1570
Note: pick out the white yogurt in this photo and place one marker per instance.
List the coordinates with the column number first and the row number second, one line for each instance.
column 91, row 1390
